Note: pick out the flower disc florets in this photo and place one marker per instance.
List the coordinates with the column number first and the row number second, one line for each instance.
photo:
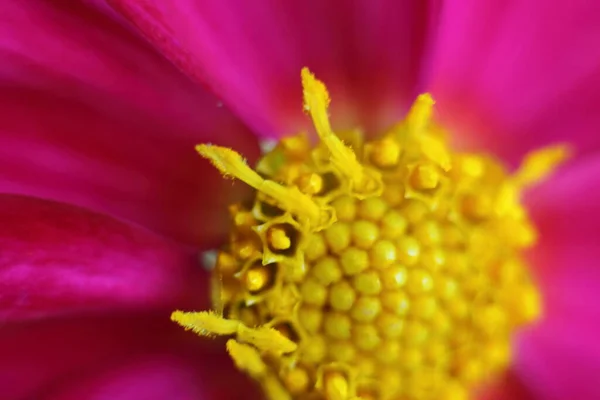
column 385, row 269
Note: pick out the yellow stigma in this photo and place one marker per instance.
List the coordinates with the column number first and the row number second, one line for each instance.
column 392, row 269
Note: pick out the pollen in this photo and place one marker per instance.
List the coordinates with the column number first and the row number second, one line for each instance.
column 387, row 268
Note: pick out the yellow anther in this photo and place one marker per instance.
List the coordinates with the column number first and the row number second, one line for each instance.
column 424, row 177
column 435, row 150
column 337, row 325
column 342, row 296
column 256, row 278
column 408, row 250
column 394, row 224
column 278, row 238
column 296, row 380
column 390, row 325
column 310, row 318
column 205, row 323
column 386, row 153
column 373, row 208
column 366, row 308
column 364, row 234
column 389, row 352
column 419, row 281
column 539, row 164
column 243, row 219
column 313, row 292
column 342, row 351
column 525, row 304
column 314, row 349
column 274, row 390
column 336, row 387
column 266, row 339
column 454, row 391
column 419, row 115
column 382, row 254
column 367, row 282
column 477, row 206
column 245, row 249
column 394, row 278
column 289, row 198
column 412, row 358
column 428, row 233
column 395, row 302
column 316, row 247
column 365, row 337
column 327, row 270
column 226, row 263
column 338, row 236
column 343, row 159
column 246, row 358
column 414, row 211
column 310, row 183
column 297, row 146
column 345, row 208
column 354, row 261
column 415, row 332
column 424, row 307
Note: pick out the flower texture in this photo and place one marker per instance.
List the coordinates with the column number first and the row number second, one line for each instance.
column 105, row 202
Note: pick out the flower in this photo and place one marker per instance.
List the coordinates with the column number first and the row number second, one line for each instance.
column 507, row 78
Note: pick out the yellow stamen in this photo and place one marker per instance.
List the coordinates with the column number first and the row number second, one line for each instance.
column 420, row 114
column 207, row 323
column 279, row 239
column 257, row 278
column 336, row 387
column 231, row 163
column 540, row 164
column 247, row 359
column 316, row 101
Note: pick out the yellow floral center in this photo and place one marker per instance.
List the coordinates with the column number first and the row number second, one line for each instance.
column 385, row 269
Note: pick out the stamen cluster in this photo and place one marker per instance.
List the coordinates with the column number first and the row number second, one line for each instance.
column 386, row 269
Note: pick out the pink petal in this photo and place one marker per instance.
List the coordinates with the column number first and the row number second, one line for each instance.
column 57, row 259
column 508, row 387
column 91, row 115
column 159, row 377
column 251, row 54
column 117, row 357
column 560, row 358
column 511, row 76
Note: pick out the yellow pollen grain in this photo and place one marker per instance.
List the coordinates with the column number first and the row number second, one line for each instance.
column 278, row 239
column 386, row 268
column 386, row 153
column 336, row 387
column 310, row 183
column 256, row 279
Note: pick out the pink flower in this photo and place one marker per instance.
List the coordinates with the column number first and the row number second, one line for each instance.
column 96, row 115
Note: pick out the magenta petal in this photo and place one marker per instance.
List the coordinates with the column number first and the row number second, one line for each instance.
column 154, row 377
column 560, row 358
column 163, row 376
column 41, row 355
column 91, row 115
column 99, row 357
column 515, row 75
column 57, row 259
column 251, row 53
column 508, row 387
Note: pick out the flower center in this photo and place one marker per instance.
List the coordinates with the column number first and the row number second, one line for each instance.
column 385, row 269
